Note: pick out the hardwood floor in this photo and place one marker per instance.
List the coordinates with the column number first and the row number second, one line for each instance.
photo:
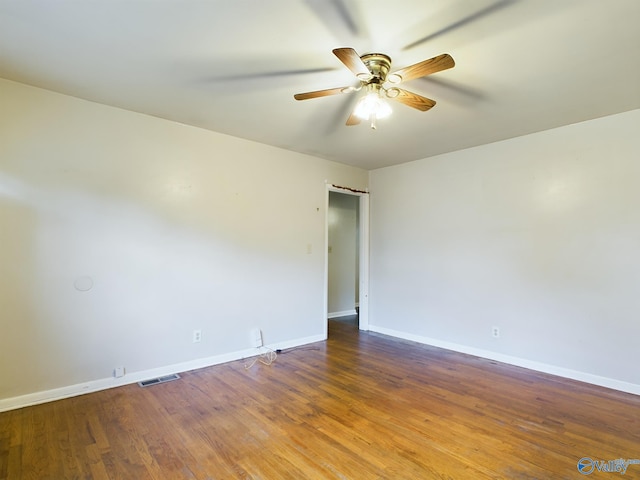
column 359, row 406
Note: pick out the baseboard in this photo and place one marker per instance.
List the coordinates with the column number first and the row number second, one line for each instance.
column 37, row 398
column 519, row 362
column 295, row 343
column 344, row 313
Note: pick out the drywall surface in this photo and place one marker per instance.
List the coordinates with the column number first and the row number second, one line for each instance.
column 122, row 233
column 538, row 235
column 342, row 254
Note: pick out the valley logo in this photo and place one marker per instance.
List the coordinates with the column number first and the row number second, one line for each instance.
column 586, row 465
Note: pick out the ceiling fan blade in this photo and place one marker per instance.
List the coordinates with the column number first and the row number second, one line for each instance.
column 352, row 61
column 421, row 69
column 322, row 93
column 353, row 120
column 411, row 99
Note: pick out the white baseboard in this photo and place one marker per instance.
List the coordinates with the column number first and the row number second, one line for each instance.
column 343, row 313
column 296, row 343
column 519, row 362
column 37, row 398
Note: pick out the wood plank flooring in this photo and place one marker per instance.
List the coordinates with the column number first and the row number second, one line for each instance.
column 359, row 406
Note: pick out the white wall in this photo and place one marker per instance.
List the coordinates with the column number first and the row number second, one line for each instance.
column 343, row 249
column 177, row 227
column 538, row 235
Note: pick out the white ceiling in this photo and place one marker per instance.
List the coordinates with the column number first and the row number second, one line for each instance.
column 232, row 66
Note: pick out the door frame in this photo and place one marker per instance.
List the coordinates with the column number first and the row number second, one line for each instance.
column 363, row 253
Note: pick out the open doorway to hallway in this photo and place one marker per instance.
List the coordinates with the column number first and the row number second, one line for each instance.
column 343, row 255
column 347, row 256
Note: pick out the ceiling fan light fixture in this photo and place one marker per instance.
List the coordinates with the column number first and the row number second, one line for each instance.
column 372, row 105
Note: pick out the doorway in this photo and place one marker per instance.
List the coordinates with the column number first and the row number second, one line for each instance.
column 347, row 255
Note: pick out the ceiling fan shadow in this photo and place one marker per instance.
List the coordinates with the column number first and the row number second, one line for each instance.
column 477, row 15
column 339, row 117
column 261, row 75
column 341, row 17
column 260, row 81
column 463, row 93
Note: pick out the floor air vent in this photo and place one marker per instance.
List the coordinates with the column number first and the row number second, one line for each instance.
column 156, row 381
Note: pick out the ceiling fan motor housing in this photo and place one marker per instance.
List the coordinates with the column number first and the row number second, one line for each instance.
column 378, row 64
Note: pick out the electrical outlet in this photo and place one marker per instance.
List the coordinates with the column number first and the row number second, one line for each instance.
column 118, row 372
column 197, row 336
column 495, row 332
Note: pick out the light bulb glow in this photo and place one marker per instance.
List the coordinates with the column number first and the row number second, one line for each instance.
column 372, row 106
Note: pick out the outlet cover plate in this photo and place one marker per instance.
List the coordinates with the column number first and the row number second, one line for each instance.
column 197, row 336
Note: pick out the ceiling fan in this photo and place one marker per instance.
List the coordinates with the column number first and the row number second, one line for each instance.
column 373, row 72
